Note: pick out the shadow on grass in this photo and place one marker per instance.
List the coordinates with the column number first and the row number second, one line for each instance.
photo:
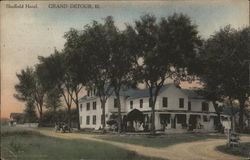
column 243, row 150
column 160, row 140
column 29, row 145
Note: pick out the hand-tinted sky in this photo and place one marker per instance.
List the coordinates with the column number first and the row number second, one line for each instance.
column 28, row 33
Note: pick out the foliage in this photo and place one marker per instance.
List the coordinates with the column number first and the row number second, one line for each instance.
column 224, row 66
column 166, row 49
column 30, row 113
column 30, row 89
column 53, row 99
column 52, row 71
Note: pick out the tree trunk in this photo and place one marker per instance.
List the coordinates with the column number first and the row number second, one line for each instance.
column 153, row 120
column 103, row 115
column 241, row 115
column 119, row 112
column 232, row 115
column 152, row 105
column 69, row 117
column 77, row 111
column 217, row 112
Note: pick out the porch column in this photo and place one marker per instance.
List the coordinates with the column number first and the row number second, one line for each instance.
column 157, row 121
column 173, row 121
column 187, row 119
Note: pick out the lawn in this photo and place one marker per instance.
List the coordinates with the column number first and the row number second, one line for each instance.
column 243, row 150
column 159, row 141
column 21, row 144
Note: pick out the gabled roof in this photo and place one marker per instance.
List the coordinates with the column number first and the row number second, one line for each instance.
column 140, row 93
column 192, row 94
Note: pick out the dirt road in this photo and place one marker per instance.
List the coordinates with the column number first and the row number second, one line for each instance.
column 199, row 150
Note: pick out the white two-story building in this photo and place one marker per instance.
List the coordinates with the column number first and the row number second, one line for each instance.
column 175, row 108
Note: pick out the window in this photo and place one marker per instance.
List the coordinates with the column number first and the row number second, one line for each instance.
column 88, row 93
column 80, row 119
column 205, row 119
column 181, row 102
column 131, row 104
column 88, row 106
column 181, row 118
column 94, row 119
column 141, row 103
column 115, row 103
column 80, row 107
column 94, row 105
column 204, row 106
column 87, row 120
column 189, row 106
column 165, row 102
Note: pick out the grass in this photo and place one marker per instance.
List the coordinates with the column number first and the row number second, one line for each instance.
column 21, row 144
column 243, row 150
column 159, row 141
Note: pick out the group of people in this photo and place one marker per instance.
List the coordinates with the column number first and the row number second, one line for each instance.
column 61, row 126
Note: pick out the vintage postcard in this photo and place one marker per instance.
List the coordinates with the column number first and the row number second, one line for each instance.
column 123, row 80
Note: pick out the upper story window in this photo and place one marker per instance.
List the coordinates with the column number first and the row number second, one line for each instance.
column 141, row 103
column 115, row 103
column 204, row 106
column 94, row 105
column 88, row 92
column 165, row 102
column 88, row 106
column 181, row 102
column 131, row 104
column 80, row 107
column 189, row 105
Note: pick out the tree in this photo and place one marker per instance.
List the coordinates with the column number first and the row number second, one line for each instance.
column 53, row 100
column 225, row 65
column 97, row 43
column 77, row 67
column 52, row 71
column 122, row 64
column 30, row 112
column 29, row 89
column 166, row 49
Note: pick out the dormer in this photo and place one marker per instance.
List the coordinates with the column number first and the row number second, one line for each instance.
column 91, row 92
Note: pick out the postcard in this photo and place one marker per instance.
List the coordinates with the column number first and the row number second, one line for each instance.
column 165, row 79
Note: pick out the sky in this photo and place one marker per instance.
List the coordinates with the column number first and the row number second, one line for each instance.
column 28, row 33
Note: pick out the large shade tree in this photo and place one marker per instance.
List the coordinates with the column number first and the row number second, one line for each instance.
column 52, row 72
column 122, row 64
column 225, row 66
column 97, row 41
column 30, row 90
column 166, row 48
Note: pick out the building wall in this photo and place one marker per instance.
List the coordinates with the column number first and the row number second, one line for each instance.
column 136, row 104
column 196, row 105
column 172, row 93
column 84, row 113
